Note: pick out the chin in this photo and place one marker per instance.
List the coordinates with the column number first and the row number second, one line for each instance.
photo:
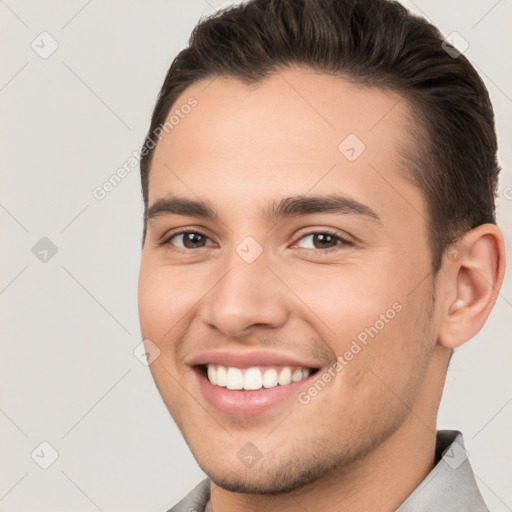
column 269, row 476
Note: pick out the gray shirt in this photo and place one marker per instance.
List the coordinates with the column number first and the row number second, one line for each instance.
column 450, row 486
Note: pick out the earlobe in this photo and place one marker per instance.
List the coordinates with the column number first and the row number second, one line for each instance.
column 472, row 283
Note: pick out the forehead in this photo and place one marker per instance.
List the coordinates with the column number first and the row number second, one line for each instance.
column 295, row 131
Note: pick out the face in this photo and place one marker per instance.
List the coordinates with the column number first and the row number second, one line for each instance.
column 283, row 242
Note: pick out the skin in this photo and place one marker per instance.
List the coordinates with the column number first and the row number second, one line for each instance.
column 368, row 438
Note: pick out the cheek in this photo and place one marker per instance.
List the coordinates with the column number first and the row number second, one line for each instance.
column 168, row 297
column 151, row 307
column 369, row 321
column 343, row 301
column 159, row 302
column 162, row 296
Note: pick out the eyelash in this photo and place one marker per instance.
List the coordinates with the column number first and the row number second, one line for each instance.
column 343, row 241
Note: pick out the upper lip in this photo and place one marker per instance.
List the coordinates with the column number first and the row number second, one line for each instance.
column 250, row 358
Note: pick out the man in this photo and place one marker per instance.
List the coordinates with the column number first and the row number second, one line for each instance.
column 319, row 180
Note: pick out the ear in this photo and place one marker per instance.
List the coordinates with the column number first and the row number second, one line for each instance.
column 473, row 273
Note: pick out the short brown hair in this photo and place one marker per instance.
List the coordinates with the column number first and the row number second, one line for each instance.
column 376, row 43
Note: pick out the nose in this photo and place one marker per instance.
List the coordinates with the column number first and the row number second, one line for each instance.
column 247, row 295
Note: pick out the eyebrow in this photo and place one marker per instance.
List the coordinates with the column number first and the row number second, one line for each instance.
column 293, row 206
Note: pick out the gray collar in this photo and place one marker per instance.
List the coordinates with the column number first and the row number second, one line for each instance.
column 451, row 485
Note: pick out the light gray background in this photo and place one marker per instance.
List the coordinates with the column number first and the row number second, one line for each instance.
column 70, row 325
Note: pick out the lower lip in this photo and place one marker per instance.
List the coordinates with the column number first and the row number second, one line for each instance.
column 241, row 402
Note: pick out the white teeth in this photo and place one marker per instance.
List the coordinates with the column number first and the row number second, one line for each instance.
column 297, row 375
column 221, row 376
column 270, row 378
column 285, row 377
column 234, row 379
column 212, row 375
column 254, row 378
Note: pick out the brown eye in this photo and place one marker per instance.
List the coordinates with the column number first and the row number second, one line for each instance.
column 322, row 240
column 187, row 240
column 193, row 240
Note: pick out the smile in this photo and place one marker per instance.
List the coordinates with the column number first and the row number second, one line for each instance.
column 254, row 378
column 253, row 390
